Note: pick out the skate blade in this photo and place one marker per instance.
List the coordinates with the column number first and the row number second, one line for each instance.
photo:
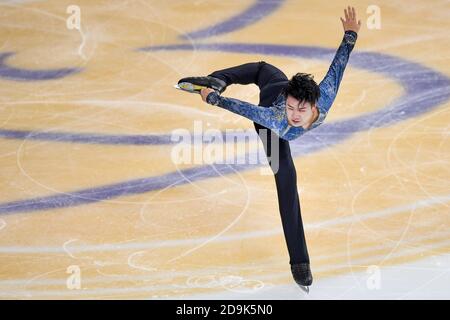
column 189, row 87
column 305, row 289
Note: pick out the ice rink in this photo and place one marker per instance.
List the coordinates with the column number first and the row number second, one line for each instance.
column 93, row 205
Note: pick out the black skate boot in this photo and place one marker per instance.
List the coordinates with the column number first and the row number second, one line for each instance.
column 302, row 275
column 195, row 84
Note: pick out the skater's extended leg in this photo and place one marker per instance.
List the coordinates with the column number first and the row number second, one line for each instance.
column 260, row 73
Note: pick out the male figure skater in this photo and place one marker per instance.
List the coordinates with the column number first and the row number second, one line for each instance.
column 289, row 108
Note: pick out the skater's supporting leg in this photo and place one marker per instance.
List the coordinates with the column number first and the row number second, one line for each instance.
column 288, row 198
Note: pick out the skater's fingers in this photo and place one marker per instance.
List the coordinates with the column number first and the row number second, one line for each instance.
column 354, row 13
column 205, row 92
column 346, row 14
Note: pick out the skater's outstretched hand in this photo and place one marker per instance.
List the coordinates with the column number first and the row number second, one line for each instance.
column 350, row 20
column 204, row 93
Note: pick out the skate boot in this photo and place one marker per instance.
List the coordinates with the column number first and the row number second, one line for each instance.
column 302, row 275
column 195, row 84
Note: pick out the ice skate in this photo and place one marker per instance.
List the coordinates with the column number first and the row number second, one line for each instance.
column 195, row 84
column 302, row 275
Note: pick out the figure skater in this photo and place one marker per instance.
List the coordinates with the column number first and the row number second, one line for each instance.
column 289, row 108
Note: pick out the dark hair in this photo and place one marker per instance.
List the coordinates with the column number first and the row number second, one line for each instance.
column 303, row 88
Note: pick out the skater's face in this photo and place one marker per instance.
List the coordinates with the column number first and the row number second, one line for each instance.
column 299, row 113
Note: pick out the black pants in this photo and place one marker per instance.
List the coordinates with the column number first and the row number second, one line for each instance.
column 271, row 81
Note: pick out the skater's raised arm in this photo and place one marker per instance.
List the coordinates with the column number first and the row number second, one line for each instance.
column 330, row 84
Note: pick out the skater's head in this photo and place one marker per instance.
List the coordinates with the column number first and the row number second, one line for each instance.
column 301, row 93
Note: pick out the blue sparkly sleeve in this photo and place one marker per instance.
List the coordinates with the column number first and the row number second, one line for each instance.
column 330, row 84
column 265, row 116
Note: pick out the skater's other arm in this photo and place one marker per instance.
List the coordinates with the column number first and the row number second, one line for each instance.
column 263, row 115
column 330, row 84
